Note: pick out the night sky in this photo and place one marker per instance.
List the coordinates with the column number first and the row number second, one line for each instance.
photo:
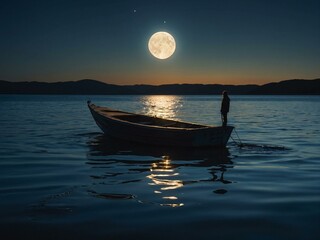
column 226, row 42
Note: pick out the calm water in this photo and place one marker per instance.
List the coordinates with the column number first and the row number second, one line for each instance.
column 61, row 179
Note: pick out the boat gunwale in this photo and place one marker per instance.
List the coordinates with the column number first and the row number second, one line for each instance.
column 202, row 127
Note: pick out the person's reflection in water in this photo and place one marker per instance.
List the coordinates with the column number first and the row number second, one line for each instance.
column 215, row 178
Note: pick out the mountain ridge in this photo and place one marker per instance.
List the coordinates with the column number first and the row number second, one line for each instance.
column 95, row 87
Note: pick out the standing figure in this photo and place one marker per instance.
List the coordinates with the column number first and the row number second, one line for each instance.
column 225, row 105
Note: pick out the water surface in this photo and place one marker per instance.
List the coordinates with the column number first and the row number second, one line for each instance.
column 60, row 177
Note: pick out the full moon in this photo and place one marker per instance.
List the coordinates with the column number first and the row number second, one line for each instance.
column 162, row 45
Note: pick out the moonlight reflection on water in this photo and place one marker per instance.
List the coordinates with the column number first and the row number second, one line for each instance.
column 163, row 106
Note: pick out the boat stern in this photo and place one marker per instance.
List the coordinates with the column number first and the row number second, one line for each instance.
column 214, row 137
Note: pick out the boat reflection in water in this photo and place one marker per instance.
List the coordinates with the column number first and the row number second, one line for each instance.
column 124, row 170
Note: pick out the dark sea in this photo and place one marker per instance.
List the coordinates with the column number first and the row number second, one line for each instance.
column 61, row 178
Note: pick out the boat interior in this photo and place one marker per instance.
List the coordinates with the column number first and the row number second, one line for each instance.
column 145, row 120
column 153, row 121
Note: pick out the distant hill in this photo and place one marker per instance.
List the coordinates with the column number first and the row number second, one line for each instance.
column 85, row 86
column 191, row 89
column 92, row 87
column 289, row 87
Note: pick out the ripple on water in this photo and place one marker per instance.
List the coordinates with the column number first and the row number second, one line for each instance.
column 57, row 169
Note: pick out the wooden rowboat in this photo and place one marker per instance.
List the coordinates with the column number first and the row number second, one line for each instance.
column 158, row 131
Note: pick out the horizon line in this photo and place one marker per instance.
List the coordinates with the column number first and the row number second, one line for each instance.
column 101, row 81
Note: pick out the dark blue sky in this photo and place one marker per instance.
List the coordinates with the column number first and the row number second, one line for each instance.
column 228, row 42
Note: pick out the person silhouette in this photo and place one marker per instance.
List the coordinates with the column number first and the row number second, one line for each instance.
column 225, row 105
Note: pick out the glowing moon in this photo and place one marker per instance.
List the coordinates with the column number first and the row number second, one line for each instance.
column 162, row 45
